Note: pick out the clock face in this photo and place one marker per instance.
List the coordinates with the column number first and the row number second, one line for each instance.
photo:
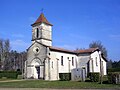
column 36, row 50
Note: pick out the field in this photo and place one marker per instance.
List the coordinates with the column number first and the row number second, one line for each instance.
column 55, row 84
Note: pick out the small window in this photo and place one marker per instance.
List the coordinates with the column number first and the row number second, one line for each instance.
column 61, row 60
column 73, row 61
column 37, row 33
column 92, row 65
column 49, row 53
column 96, row 61
column 52, row 64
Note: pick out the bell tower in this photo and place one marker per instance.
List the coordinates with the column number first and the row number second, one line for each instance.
column 42, row 31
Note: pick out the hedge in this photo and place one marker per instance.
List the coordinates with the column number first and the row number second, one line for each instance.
column 114, row 70
column 94, row 77
column 9, row 74
column 114, row 77
column 65, row 76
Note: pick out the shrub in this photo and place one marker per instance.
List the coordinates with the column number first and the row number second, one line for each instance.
column 114, row 70
column 105, row 79
column 9, row 74
column 87, row 80
column 94, row 77
column 19, row 77
column 114, row 77
column 4, row 78
column 65, row 76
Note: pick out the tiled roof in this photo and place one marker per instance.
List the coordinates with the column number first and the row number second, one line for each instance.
column 90, row 50
column 42, row 19
column 104, row 57
column 62, row 50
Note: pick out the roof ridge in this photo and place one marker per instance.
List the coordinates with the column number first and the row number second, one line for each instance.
column 89, row 50
column 61, row 49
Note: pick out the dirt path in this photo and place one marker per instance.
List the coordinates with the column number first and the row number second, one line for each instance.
column 48, row 89
column 11, row 80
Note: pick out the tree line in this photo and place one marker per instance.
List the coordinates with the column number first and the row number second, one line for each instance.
column 10, row 59
column 113, row 64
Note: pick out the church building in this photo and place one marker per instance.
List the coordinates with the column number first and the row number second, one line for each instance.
column 47, row 62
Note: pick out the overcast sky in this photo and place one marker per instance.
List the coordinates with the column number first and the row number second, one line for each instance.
column 76, row 23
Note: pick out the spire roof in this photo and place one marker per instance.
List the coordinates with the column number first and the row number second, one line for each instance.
column 41, row 19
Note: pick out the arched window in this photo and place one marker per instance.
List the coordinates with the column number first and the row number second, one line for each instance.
column 52, row 64
column 37, row 33
column 72, row 61
column 96, row 61
column 61, row 60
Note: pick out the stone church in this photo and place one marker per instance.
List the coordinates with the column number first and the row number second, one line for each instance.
column 47, row 62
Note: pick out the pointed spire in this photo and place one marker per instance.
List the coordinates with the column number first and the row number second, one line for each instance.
column 42, row 19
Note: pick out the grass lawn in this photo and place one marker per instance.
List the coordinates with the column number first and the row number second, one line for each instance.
column 56, row 84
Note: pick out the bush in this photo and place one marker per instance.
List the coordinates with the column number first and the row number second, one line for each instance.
column 87, row 80
column 19, row 77
column 105, row 79
column 65, row 76
column 9, row 74
column 94, row 77
column 114, row 70
column 109, row 77
column 4, row 78
column 114, row 77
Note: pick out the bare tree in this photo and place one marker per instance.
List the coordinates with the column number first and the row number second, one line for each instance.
column 98, row 44
column 11, row 60
column 11, row 64
column 6, row 54
column 1, row 54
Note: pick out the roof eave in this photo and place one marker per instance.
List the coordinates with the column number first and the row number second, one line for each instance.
column 65, row 51
column 34, row 24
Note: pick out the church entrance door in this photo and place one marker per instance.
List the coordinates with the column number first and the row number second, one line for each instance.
column 38, row 71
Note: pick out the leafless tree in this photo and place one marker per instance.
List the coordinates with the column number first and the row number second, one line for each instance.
column 10, row 59
column 6, row 53
column 1, row 54
column 98, row 44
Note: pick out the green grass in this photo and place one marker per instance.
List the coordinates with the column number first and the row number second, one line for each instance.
column 55, row 84
column 6, row 79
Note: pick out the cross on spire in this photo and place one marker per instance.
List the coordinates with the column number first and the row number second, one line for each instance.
column 42, row 10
